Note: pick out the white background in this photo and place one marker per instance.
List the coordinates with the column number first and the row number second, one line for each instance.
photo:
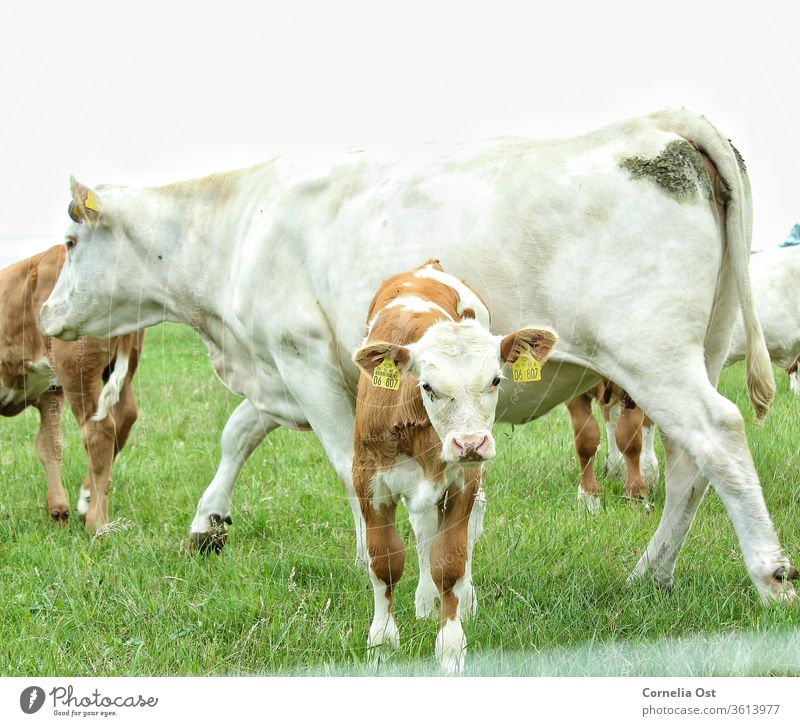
column 149, row 92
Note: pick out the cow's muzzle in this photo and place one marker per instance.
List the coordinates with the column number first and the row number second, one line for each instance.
column 51, row 321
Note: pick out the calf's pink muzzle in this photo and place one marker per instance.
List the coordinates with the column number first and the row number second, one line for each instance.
column 472, row 447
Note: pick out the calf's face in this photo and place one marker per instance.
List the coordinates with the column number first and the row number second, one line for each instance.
column 459, row 368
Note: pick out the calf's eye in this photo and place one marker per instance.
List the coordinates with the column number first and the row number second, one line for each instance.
column 70, row 243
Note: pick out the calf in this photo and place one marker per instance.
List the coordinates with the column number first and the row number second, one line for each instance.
column 427, row 393
column 39, row 371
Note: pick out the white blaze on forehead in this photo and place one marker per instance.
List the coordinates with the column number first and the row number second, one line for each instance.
column 415, row 304
column 410, row 304
column 467, row 298
column 451, row 354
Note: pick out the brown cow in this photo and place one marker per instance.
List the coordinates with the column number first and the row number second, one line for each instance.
column 626, row 426
column 39, row 371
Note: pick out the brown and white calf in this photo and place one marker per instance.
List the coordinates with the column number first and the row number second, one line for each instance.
column 427, row 394
column 630, row 442
column 39, row 371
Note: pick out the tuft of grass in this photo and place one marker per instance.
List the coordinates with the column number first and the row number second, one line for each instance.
column 285, row 597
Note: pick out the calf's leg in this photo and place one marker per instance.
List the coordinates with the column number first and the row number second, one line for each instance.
column 587, row 439
column 628, row 436
column 386, row 556
column 48, row 446
column 450, row 567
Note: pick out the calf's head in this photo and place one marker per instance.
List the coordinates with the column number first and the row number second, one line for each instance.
column 459, row 369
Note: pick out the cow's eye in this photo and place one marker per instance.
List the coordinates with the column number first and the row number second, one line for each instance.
column 70, row 242
column 427, row 388
column 496, row 382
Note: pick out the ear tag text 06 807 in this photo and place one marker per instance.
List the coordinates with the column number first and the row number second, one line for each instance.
column 386, row 375
column 526, row 369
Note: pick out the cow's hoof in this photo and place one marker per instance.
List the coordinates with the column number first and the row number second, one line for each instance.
column 590, row 500
column 59, row 515
column 781, row 589
column 212, row 541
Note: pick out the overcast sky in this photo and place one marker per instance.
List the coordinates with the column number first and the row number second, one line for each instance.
column 157, row 92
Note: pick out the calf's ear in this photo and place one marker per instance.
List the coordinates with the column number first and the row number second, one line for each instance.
column 536, row 342
column 368, row 356
column 85, row 204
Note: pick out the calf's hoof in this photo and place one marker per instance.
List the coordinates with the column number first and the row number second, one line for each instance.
column 383, row 640
column 213, row 540
column 590, row 500
column 451, row 648
column 59, row 514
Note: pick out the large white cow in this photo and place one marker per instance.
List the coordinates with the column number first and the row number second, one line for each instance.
column 275, row 265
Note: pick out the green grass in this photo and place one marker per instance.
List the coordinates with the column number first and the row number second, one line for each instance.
column 285, row 596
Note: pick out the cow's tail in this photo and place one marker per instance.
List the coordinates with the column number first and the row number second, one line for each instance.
column 704, row 136
column 109, row 395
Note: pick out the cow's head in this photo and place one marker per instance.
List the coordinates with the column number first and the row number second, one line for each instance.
column 459, row 368
column 102, row 290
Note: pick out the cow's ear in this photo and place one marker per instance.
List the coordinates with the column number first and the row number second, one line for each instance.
column 368, row 356
column 537, row 342
column 85, row 204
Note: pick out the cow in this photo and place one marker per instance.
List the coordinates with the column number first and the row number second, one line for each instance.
column 775, row 276
column 94, row 375
column 274, row 265
column 776, row 286
column 425, row 406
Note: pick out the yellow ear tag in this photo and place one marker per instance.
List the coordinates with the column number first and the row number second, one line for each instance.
column 386, row 375
column 526, row 369
column 91, row 202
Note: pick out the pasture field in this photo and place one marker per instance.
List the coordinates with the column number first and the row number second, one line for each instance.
column 286, row 597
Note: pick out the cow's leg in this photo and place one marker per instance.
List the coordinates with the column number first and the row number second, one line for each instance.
column 450, row 568
column 329, row 410
column 648, row 458
column 48, row 446
column 628, row 436
column 615, row 459
column 685, row 487
column 710, row 429
column 792, row 371
column 244, row 431
column 587, row 439
column 386, row 558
